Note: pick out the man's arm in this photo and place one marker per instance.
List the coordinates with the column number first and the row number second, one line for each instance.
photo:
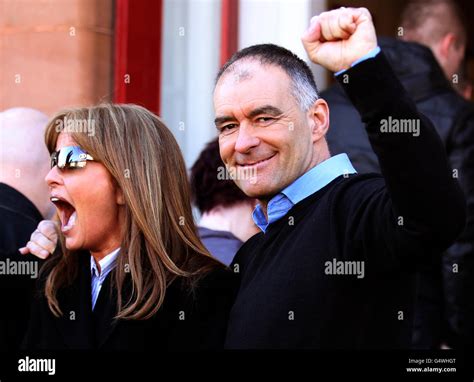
column 425, row 196
column 413, row 162
column 421, row 189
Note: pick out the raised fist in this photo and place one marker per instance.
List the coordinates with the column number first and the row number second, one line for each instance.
column 338, row 38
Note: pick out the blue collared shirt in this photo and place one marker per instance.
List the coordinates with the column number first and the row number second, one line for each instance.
column 306, row 185
column 97, row 278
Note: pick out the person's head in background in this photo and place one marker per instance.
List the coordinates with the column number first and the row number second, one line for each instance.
column 125, row 185
column 440, row 25
column 223, row 206
column 24, row 160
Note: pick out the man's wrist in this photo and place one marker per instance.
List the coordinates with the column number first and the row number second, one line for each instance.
column 371, row 54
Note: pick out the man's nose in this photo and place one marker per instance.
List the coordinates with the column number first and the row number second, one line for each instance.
column 246, row 139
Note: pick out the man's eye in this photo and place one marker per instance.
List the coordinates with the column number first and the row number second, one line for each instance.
column 265, row 119
column 230, row 126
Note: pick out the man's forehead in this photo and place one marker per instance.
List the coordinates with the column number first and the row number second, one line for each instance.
column 240, row 74
column 248, row 69
column 245, row 103
column 251, row 81
column 260, row 90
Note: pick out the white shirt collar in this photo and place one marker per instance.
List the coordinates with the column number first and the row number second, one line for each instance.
column 107, row 263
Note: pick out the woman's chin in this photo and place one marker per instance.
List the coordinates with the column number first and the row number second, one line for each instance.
column 72, row 244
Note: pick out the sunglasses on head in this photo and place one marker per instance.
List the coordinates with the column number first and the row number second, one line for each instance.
column 70, row 157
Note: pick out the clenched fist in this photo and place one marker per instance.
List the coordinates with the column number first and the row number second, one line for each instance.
column 338, row 38
column 43, row 240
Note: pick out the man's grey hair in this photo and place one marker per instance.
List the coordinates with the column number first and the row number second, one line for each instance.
column 303, row 92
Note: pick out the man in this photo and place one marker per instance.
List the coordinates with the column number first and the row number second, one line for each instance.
column 24, row 202
column 445, row 310
column 226, row 212
column 335, row 247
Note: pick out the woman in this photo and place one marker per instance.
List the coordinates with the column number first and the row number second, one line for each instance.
column 131, row 272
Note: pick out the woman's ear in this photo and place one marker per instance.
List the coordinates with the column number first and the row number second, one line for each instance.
column 119, row 197
column 318, row 115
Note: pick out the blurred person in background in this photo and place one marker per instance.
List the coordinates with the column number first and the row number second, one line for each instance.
column 426, row 60
column 131, row 272
column 226, row 212
column 24, row 202
column 24, row 197
column 441, row 26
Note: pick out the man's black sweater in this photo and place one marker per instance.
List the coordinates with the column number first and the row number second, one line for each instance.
column 292, row 292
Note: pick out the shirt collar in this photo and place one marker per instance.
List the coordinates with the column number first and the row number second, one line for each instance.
column 307, row 184
column 106, row 264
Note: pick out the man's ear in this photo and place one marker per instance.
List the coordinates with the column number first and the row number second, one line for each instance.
column 318, row 116
column 446, row 44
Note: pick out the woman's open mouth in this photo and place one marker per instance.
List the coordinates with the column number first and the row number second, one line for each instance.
column 66, row 211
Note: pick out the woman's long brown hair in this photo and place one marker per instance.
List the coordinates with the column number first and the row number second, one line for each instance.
column 159, row 239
